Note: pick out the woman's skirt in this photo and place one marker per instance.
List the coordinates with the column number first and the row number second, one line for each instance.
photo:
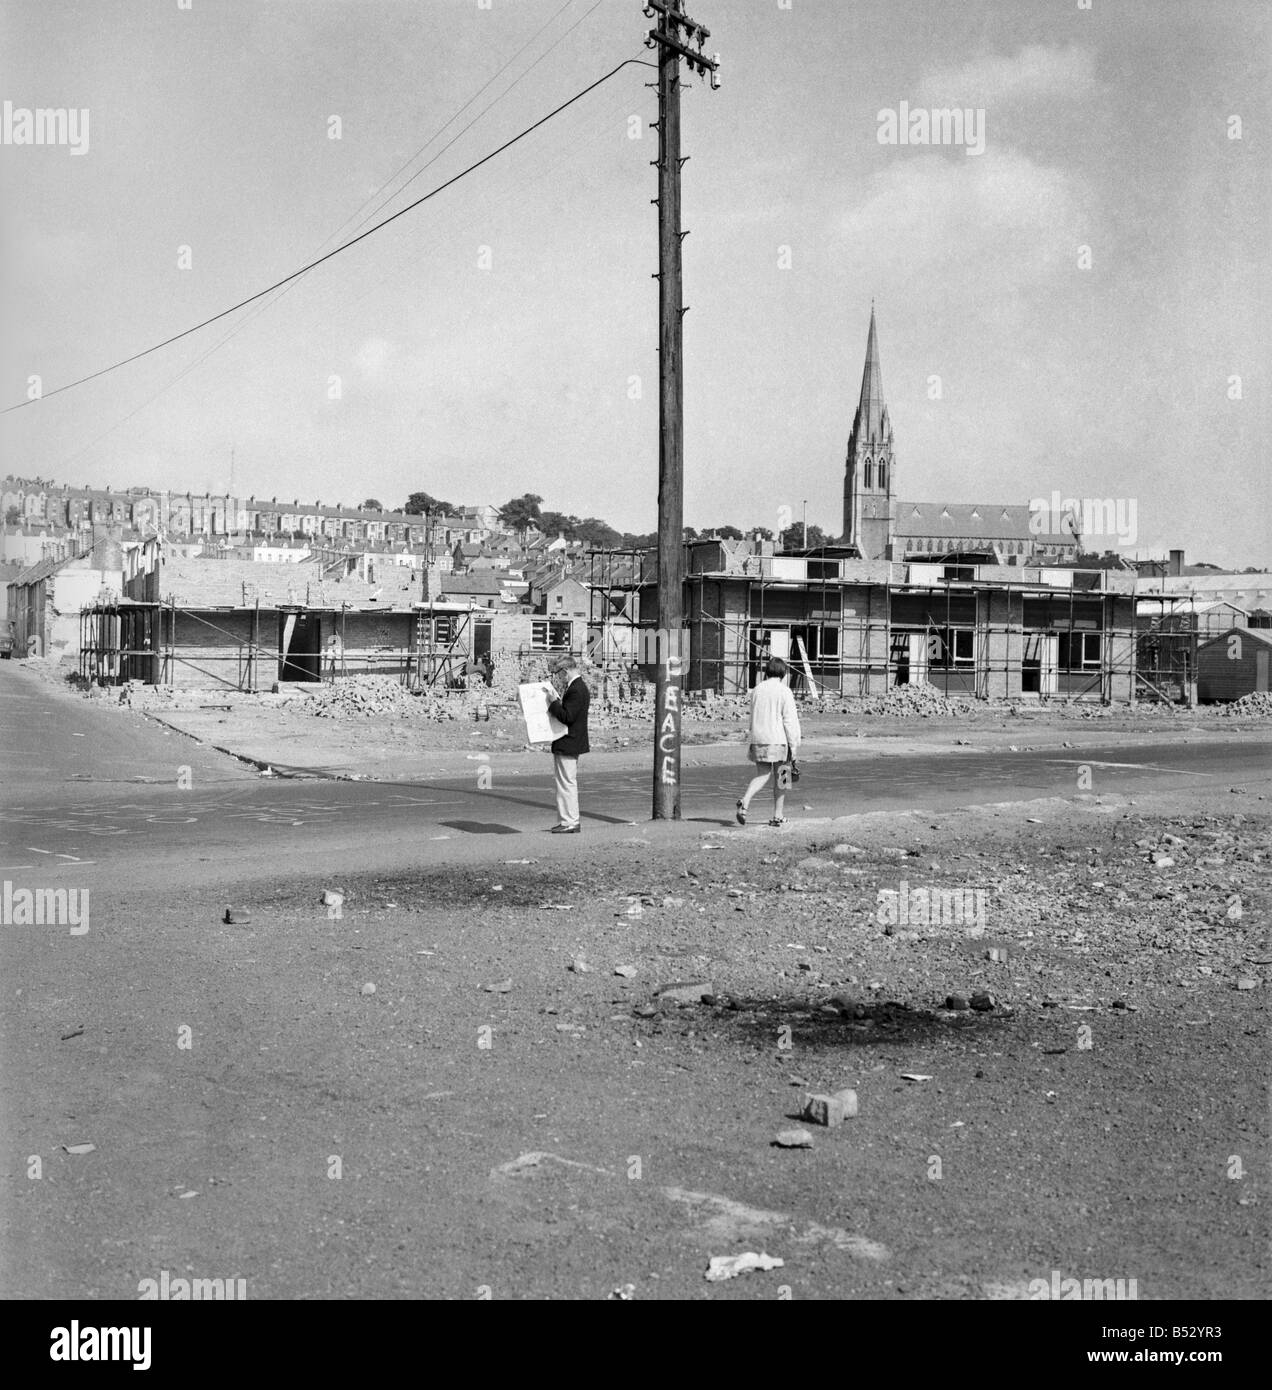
column 760, row 753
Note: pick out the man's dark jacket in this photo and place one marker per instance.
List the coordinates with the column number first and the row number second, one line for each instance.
column 571, row 710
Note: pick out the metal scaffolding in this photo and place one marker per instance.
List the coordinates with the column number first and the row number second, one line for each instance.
column 942, row 635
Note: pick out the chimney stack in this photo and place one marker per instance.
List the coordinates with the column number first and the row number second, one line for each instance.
column 1176, row 566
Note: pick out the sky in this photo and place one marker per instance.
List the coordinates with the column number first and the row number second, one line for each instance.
column 1081, row 305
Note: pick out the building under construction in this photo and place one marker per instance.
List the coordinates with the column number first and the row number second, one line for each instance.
column 848, row 626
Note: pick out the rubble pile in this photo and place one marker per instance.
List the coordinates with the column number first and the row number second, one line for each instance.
column 370, row 697
column 916, row 702
column 1256, row 703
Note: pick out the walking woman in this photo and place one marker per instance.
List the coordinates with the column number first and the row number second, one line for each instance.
column 774, row 737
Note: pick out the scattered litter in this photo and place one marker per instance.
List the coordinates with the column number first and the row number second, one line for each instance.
column 521, row 861
column 557, row 907
column 74, row 1033
column 502, row 987
column 645, row 1011
column 579, row 966
column 626, row 971
column 624, row 1293
column 237, row 915
column 793, row 1139
column 1234, row 908
column 982, row 1002
column 914, row 1076
column 1247, row 983
column 332, row 898
column 730, row 1266
column 183, row 1195
column 955, row 1002
column 368, row 988
column 998, row 954
column 79, row 1148
column 570, row 1028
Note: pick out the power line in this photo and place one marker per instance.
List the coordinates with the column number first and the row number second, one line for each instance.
column 362, row 236
column 459, row 134
column 366, row 202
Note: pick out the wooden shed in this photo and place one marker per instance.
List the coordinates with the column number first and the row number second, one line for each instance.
column 1234, row 664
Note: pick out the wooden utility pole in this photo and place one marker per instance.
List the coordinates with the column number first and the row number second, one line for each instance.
column 673, row 35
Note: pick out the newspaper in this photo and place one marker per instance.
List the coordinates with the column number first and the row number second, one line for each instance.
column 541, row 727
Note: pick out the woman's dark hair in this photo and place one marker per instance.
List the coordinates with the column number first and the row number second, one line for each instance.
column 775, row 666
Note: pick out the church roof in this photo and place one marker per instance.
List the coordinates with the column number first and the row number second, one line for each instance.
column 991, row 521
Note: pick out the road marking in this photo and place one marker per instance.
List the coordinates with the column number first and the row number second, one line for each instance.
column 10, row 868
column 33, row 850
column 1138, row 767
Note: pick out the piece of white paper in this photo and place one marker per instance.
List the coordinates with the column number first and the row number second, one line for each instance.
column 541, row 727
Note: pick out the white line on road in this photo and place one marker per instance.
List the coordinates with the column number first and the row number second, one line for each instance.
column 33, row 850
column 10, row 868
column 1137, row 767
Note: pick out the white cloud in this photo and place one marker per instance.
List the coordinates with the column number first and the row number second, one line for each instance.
column 927, row 213
column 1035, row 72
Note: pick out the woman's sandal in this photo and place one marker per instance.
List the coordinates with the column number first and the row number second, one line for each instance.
column 777, row 824
column 741, row 812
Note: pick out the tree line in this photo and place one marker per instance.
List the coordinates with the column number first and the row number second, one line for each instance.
column 522, row 514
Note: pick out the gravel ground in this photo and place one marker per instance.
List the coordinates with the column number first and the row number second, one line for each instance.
column 1086, row 1118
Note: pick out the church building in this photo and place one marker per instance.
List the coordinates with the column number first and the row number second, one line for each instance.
column 879, row 527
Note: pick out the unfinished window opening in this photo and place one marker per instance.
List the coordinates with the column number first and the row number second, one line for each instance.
column 549, row 635
column 1079, row 651
column 949, row 648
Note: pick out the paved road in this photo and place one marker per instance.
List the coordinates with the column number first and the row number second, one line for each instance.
column 92, row 796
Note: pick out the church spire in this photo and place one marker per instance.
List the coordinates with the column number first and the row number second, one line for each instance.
column 871, row 411
column 870, row 468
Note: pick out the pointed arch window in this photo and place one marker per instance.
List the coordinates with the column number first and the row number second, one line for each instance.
column 883, row 476
column 869, row 474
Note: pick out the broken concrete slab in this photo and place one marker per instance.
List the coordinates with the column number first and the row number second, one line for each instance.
column 829, row 1110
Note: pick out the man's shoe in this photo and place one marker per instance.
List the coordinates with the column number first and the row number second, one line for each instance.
column 565, row 829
